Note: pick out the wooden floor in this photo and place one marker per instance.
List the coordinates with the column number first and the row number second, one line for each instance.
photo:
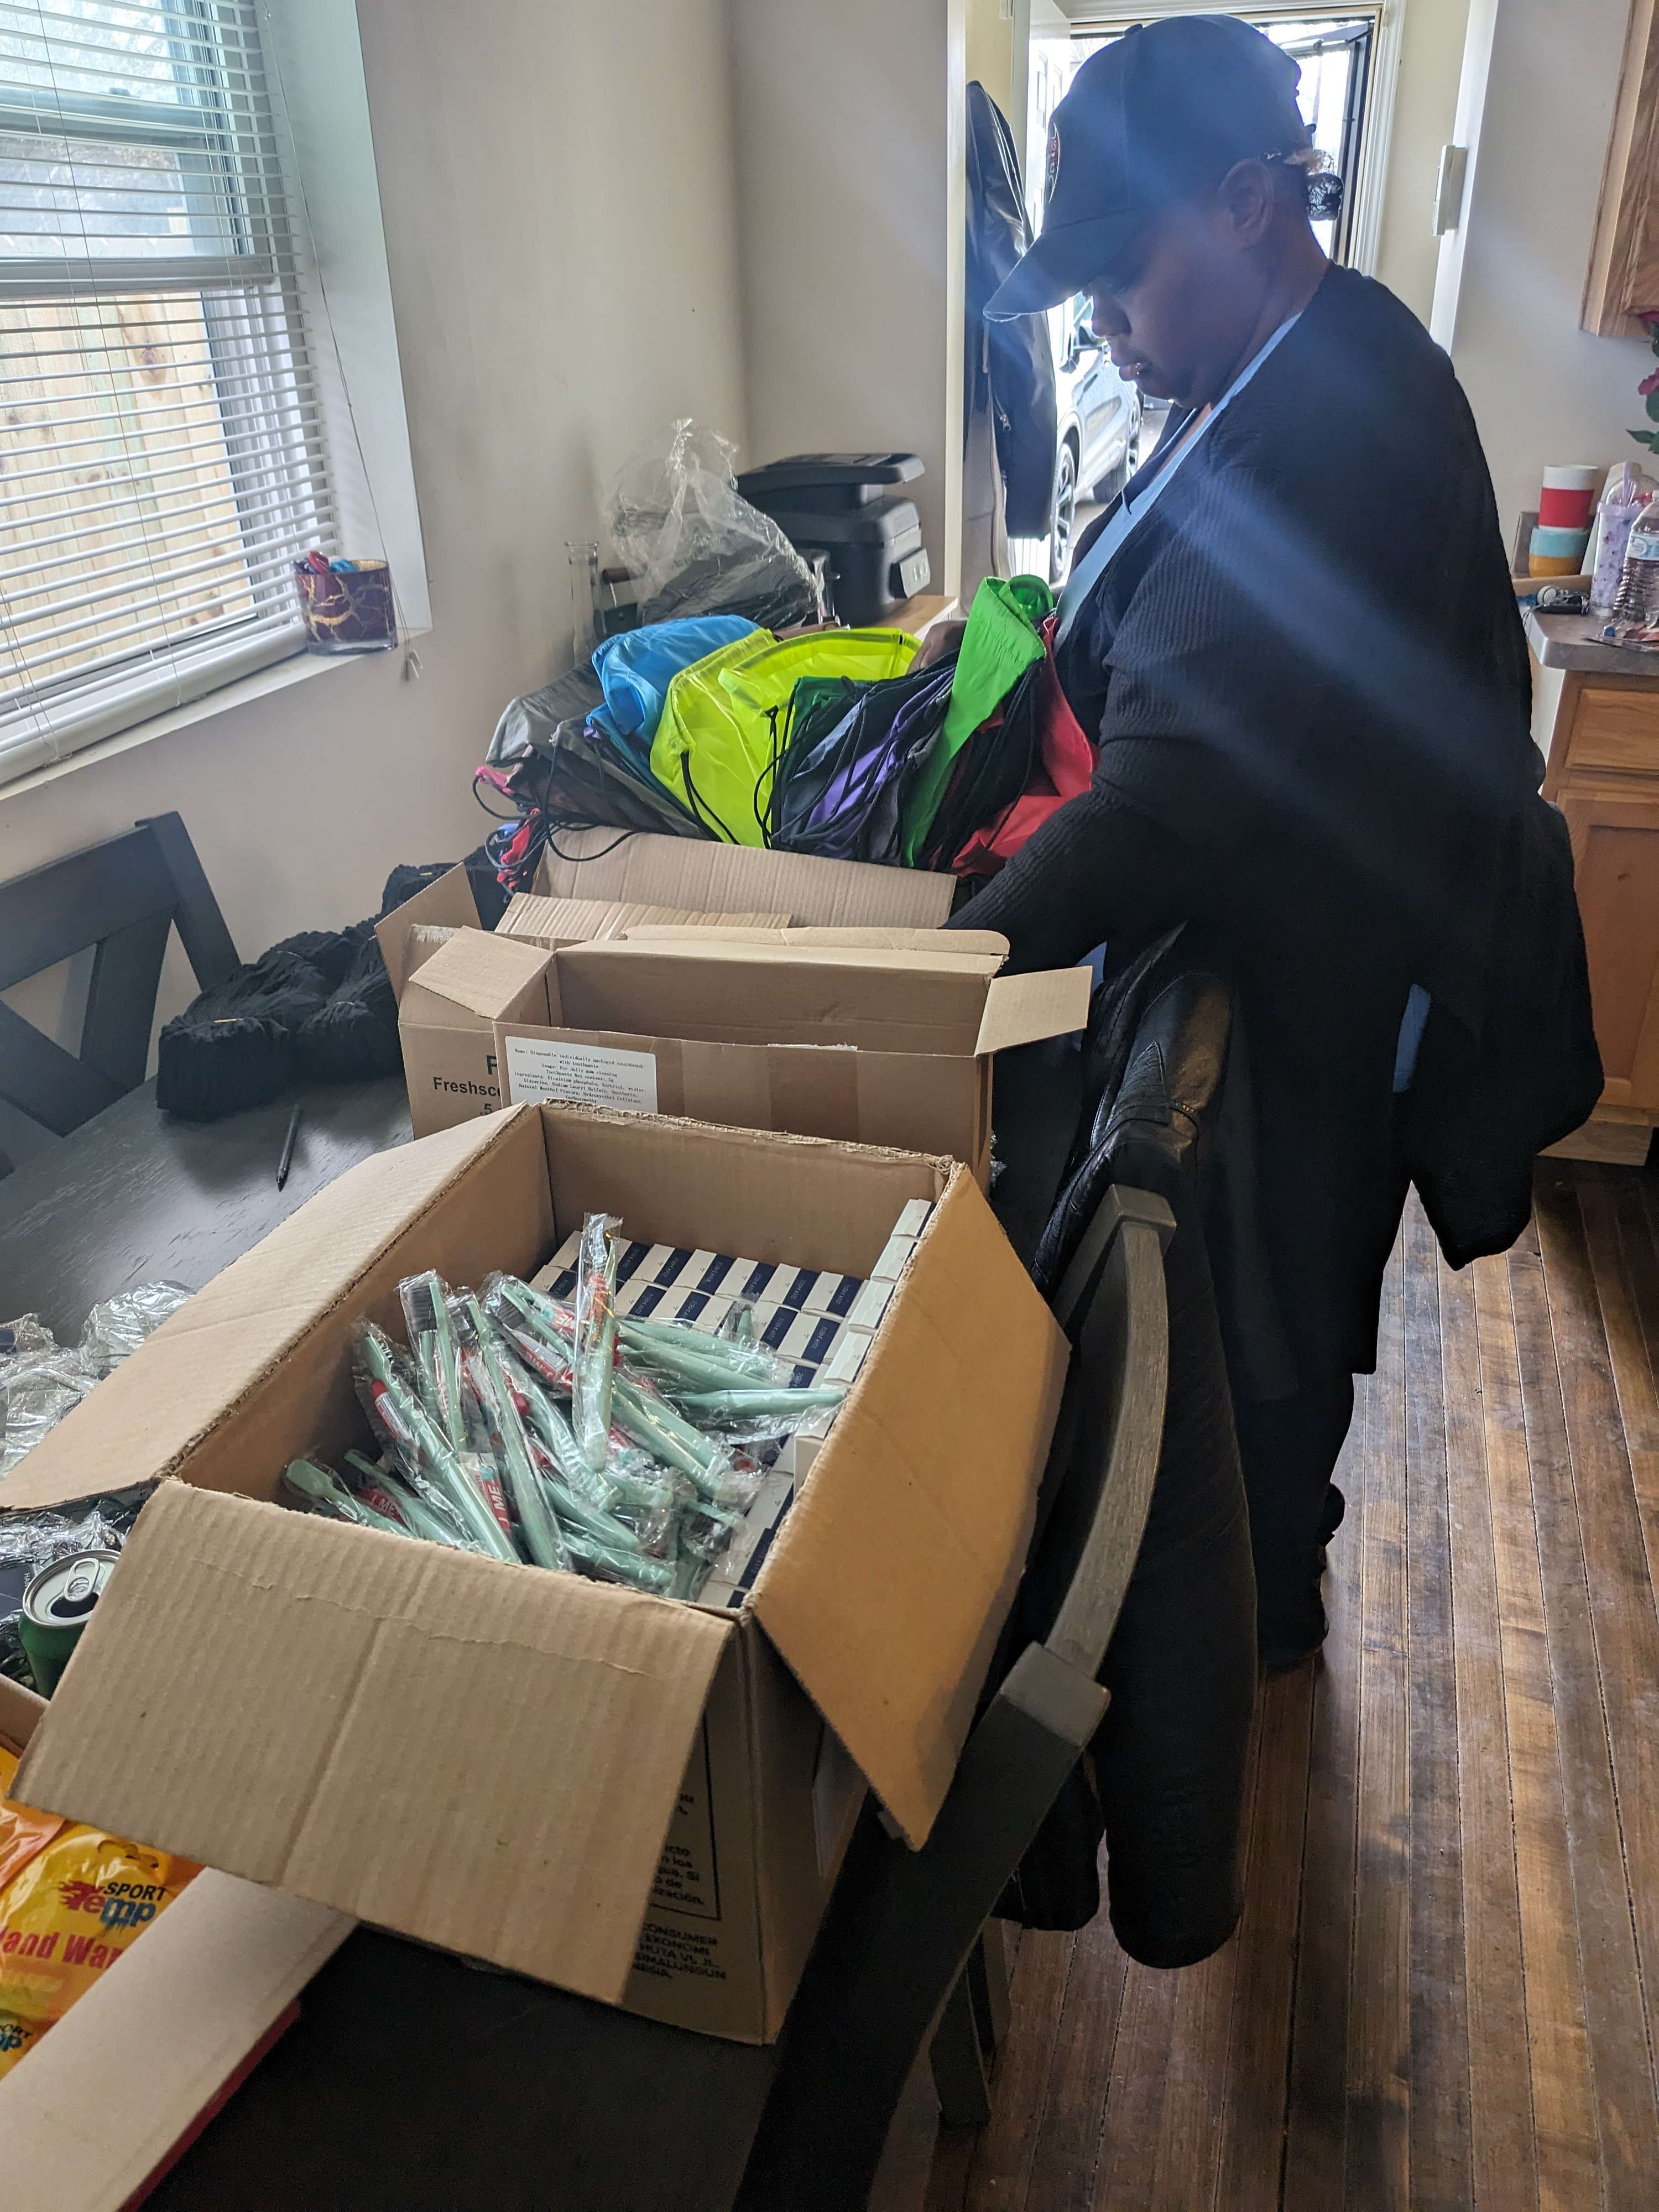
column 1437, row 1997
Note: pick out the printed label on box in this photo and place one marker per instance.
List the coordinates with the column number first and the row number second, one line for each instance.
column 539, row 1068
column 687, row 1874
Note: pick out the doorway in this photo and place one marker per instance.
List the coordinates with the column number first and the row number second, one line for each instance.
column 1337, row 50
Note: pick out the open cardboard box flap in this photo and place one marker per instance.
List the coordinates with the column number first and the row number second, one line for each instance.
column 888, row 1585
column 930, row 997
column 555, row 922
column 202, row 1997
column 1023, row 1009
column 252, row 1334
column 446, row 904
column 483, row 973
column 20, row 1709
column 401, row 1714
column 711, row 878
column 478, row 1754
column 691, row 876
column 738, row 930
column 132, row 2072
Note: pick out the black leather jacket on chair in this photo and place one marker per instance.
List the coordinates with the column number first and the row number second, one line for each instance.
column 1164, row 1781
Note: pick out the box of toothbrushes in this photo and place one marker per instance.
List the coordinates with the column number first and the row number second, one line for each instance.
column 637, row 1795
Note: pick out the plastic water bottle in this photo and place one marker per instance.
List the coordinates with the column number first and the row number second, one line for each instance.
column 1623, row 503
column 1638, row 600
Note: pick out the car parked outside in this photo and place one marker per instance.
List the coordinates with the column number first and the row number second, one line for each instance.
column 1099, row 421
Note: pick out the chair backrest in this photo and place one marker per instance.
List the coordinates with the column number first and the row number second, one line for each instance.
column 121, row 898
column 901, row 1924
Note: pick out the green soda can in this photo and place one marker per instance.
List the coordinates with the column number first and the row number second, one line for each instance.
column 56, row 1606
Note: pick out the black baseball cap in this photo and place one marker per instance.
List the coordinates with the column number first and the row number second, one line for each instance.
column 1168, row 107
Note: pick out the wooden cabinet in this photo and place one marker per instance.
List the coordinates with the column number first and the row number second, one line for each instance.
column 1601, row 739
column 1623, row 277
column 1615, row 850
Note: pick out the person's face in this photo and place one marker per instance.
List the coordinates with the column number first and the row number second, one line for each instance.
column 1181, row 301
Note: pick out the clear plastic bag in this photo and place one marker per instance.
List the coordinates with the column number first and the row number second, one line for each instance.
column 41, row 1380
column 595, row 1358
column 695, row 545
column 679, row 1357
column 417, row 1446
column 482, row 1365
column 422, row 1508
column 39, row 1388
column 540, row 1332
column 115, row 1329
column 435, row 1350
column 28, row 1333
column 726, row 1385
column 314, row 1487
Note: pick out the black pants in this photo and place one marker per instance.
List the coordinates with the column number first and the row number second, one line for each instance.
column 1288, row 1449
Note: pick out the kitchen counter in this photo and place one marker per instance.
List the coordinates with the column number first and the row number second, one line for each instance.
column 1574, row 641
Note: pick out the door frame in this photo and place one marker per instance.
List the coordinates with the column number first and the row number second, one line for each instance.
column 1367, row 186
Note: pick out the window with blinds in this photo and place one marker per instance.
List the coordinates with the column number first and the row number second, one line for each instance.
column 161, row 457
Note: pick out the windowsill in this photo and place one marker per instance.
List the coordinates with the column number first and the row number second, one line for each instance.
column 298, row 668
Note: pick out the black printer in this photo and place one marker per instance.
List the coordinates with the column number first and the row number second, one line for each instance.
column 844, row 506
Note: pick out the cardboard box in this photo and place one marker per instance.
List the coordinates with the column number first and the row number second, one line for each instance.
column 692, row 875
column 596, row 887
column 551, row 922
column 20, row 1709
column 212, row 1985
column 718, row 879
column 640, row 1801
column 799, row 1029
column 447, row 1007
column 454, row 980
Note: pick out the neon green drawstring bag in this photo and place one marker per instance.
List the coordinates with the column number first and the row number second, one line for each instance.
column 714, row 744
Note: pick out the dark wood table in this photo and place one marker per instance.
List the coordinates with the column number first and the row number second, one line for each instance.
column 134, row 1196
column 413, row 2081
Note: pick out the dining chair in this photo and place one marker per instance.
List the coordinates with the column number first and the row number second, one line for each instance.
column 121, row 899
column 903, row 1950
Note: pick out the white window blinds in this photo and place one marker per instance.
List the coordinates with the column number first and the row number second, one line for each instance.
column 161, row 457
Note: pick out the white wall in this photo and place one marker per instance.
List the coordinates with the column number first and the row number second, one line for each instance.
column 1424, row 110
column 1543, row 391
column 849, row 166
column 557, row 187
column 998, row 38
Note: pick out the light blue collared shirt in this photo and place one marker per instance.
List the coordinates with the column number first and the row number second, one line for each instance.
column 1107, row 546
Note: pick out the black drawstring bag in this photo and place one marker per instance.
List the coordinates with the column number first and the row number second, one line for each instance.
column 317, row 1008
column 353, row 1035
column 849, row 756
column 992, row 769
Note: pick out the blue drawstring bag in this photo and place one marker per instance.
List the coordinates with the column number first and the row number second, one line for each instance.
column 636, row 668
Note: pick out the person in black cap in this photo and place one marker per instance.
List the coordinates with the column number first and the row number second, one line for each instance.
column 1297, row 639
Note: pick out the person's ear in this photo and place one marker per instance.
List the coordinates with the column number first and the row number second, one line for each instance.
column 1248, row 201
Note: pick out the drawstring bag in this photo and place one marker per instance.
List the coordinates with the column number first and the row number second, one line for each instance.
column 850, row 755
column 1064, row 769
column 715, row 745
column 991, row 771
column 1000, row 642
column 636, row 668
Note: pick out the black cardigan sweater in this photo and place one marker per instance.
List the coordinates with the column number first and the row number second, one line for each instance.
column 1312, row 687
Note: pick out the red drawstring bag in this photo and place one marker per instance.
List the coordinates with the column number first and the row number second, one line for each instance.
column 1067, row 764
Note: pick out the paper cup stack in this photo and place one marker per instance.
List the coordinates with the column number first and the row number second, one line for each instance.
column 1561, row 539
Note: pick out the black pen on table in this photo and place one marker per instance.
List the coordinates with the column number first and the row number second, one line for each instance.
column 286, row 1162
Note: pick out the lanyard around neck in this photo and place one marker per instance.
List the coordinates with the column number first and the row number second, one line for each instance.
column 1163, row 466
